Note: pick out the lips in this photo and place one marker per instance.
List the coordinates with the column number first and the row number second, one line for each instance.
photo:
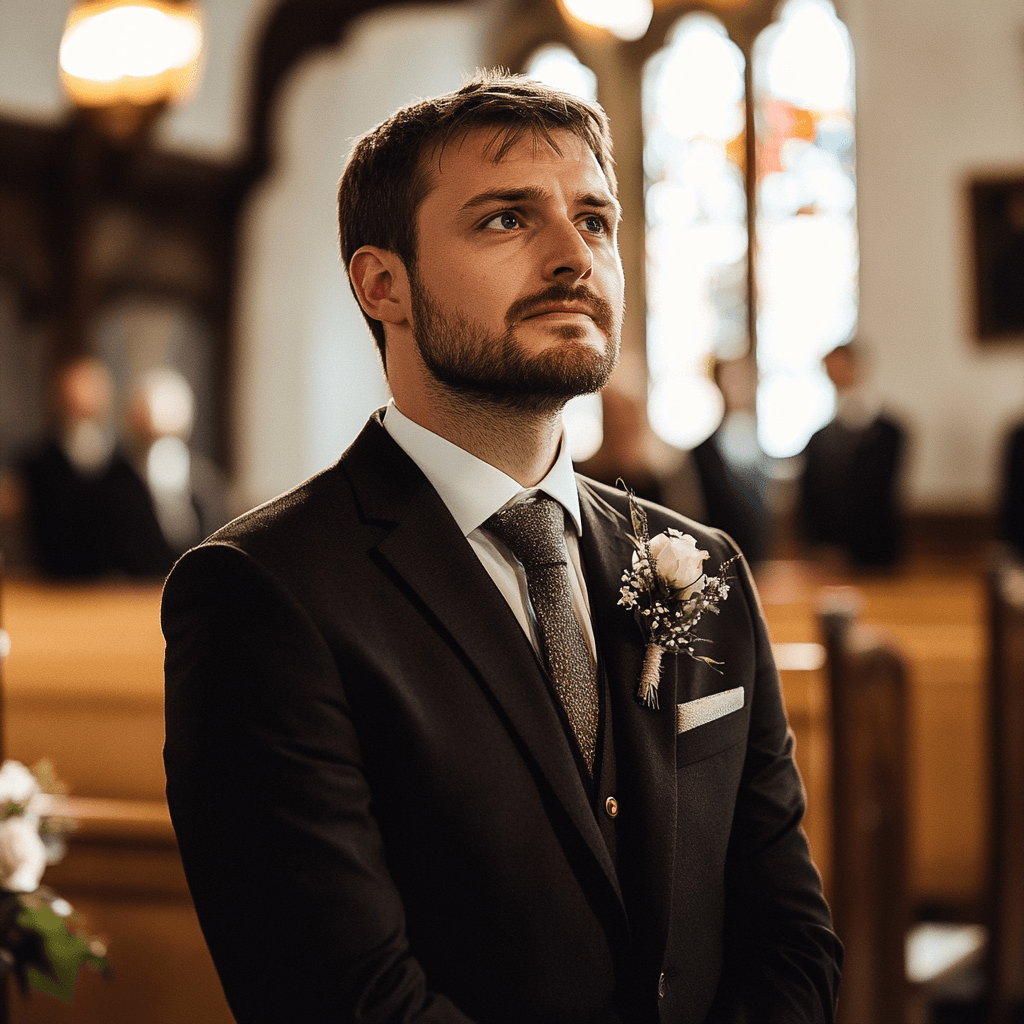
column 561, row 310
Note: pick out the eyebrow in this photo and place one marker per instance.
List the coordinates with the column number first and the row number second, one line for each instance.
column 536, row 194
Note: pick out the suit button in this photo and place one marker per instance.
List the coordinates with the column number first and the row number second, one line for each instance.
column 611, row 806
column 661, row 986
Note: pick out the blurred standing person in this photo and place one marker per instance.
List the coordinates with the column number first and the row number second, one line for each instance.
column 849, row 487
column 187, row 491
column 650, row 467
column 733, row 468
column 1011, row 507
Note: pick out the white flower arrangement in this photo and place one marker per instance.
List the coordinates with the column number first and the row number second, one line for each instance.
column 668, row 592
column 41, row 941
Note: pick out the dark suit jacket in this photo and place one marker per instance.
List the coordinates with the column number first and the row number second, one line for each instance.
column 380, row 816
column 1011, row 508
column 88, row 525
column 848, row 492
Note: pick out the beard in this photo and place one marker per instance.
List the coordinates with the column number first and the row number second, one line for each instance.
column 493, row 368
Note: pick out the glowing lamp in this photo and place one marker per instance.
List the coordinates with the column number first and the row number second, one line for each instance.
column 626, row 19
column 130, row 58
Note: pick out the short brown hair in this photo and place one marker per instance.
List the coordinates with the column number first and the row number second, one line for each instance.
column 386, row 177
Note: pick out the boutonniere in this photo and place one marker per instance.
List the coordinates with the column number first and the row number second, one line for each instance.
column 668, row 592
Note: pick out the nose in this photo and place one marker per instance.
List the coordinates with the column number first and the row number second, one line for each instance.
column 570, row 259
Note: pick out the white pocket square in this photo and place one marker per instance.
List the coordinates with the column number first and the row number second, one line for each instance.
column 707, row 709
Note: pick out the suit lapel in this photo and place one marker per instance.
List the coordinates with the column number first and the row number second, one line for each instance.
column 428, row 551
column 645, row 739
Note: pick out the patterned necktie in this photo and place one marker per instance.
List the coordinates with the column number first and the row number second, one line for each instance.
column 534, row 531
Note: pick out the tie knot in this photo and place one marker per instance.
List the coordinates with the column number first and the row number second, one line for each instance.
column 533, row 530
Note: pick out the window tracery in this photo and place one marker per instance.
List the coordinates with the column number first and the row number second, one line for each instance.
column 721, row 207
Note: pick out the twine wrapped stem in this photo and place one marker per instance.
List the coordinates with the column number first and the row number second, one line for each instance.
column 650, row 675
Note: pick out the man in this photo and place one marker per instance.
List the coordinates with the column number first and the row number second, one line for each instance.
column 391, row 804
column 848, row 496
column 89, row 514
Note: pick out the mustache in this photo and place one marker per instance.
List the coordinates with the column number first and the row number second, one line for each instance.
column 600, row 309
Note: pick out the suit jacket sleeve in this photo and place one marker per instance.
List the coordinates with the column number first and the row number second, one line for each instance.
column 781, row 958
column 272, row 808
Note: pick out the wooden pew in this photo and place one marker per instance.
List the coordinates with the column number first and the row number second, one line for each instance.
column 123, row 874
column 894, row 968
column 938, row 620
column 1006, row 862
column 870, row 904
column 802, row 671
column 84, row 688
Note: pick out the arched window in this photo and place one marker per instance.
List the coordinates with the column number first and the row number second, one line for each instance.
column 806, row 225
column 703, row 179
column 696, row 212
column 556, row 65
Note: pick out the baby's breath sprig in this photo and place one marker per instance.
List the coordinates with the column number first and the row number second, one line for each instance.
column 668, row 594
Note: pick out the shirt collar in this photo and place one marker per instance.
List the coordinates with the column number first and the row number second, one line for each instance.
column 473, row 490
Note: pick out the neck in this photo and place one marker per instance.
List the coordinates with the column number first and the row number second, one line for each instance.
column 523, row 444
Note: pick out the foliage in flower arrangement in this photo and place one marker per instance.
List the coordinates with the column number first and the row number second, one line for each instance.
column 42, row 943
column 667, row 590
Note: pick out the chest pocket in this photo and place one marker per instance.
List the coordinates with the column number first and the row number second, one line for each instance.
column 710, row 724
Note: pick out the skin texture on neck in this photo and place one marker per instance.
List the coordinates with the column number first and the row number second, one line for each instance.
column 522, row 445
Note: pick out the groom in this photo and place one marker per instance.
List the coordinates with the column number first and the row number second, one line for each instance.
column 408, row 771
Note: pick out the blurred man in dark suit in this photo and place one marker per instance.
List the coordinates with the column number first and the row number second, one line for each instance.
column 849, row 490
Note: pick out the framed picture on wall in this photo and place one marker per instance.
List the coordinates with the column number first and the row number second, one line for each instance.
column 997, row 214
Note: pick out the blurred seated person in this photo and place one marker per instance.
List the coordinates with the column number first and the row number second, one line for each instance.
column 849, row 487
column 1011, row 511
column 699, row 484
column 87, row 512
column 187, row 491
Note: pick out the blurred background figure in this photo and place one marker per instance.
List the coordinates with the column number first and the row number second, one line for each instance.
column 92, row 508
column 187, row 493
column 86, row 512
column 734, row 470
column 721, row 483
column 632, row 452
column 1011, row 508
column 849, row 488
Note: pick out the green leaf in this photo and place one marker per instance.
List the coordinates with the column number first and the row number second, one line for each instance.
column 66, row 950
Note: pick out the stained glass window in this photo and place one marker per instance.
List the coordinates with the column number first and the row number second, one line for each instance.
column 806, row 221
column 696, row 207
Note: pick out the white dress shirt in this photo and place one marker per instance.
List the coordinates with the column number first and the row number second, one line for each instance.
column 473, row 490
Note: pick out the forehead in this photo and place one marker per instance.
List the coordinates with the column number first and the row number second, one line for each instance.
column 478, row 160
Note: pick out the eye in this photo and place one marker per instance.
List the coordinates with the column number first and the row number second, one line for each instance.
column 595, row 224
column 504, row 221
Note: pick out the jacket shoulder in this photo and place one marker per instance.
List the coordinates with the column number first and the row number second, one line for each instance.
column 327, row 503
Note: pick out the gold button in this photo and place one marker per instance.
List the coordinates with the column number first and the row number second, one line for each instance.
column 611, row 805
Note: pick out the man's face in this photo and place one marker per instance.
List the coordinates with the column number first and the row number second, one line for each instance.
column 517, row 291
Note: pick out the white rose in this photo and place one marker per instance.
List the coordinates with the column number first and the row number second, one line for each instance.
column 22, row 854
column 17, row 784
column 679, row 562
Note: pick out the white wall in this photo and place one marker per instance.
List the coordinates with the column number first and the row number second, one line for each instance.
column 308, row 371
column 940, row 87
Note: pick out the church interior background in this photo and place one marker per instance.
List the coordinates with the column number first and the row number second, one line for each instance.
column 794, row 174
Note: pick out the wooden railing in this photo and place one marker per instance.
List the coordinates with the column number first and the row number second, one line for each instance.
column 84, row 689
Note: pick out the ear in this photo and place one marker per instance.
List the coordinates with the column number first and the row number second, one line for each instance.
column 381, row 284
